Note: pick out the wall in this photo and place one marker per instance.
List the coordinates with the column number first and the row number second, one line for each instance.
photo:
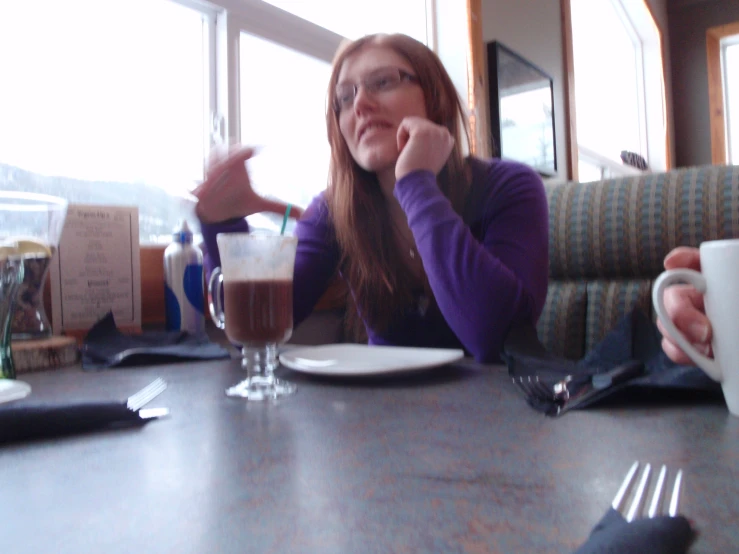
column 533, row 29
column 688, row 22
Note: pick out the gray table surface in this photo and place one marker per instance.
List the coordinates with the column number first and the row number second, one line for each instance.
column 450, row 460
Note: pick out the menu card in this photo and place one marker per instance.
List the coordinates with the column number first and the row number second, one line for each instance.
column 97, row 268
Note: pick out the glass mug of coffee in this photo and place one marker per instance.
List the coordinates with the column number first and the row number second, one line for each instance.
column 251, row 298
column 718, row 281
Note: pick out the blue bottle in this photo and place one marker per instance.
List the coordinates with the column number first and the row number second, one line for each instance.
column 183, row 286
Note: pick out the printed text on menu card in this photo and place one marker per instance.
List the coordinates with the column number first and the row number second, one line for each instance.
column 97, row 268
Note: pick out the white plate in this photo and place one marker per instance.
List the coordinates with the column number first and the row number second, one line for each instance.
column 11, row 389
column 360, row 359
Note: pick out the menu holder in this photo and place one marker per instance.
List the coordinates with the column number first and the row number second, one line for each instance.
column 96, row 270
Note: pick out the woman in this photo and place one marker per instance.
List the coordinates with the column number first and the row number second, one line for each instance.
column 437, row 250
column 685, row 307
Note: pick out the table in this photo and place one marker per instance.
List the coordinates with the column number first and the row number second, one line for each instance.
column 451, row 460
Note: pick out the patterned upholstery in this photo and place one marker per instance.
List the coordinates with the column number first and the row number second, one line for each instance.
column 609, row 301
column 561, row 327
column 611, row 237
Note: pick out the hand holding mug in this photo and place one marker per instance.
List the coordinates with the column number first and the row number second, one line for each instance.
column 717, row 289
column 685, row 308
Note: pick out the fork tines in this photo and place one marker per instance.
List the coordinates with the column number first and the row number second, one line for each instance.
column 146, row 395
column 532, row 387
column 637, row 500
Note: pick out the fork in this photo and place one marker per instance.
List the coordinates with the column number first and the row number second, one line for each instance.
column 532, row 387
column 571, row 391
column 656, row 505
column 144, row 396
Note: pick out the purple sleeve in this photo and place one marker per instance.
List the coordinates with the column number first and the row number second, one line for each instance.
column 483, row 286
column 316, row 260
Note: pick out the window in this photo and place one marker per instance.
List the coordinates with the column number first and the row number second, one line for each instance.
column 340, row 16
column 284, row 116
column 730, row 59
column 619, row 89
column 104, row 113
column 119, row 102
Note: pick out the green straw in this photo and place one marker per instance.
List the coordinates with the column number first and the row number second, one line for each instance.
column 284, row 219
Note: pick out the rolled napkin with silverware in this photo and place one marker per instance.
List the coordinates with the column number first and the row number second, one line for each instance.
column 626, row 531
column 27, row 420
column 629, row 360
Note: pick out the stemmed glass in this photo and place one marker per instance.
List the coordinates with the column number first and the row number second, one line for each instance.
column 30, row 228
column 255, row 306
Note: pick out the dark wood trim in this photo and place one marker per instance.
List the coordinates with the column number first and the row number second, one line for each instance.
column 569, row 91
column 715, row 99
column 477, row 94
column 665, row 100
column 716, row 89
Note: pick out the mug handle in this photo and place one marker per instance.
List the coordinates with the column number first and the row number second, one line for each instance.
column 215, row 303
column 679, row 276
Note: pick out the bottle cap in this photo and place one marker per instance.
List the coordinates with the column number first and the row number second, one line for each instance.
column 182, row 234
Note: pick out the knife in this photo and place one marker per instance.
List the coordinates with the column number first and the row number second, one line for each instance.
column 600, row 383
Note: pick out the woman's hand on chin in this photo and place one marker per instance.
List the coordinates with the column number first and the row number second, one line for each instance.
column 423, row 145
column 226, row 193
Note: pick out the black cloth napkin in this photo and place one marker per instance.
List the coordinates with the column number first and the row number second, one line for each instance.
column 635, row 340
column 22, row 420
column 659, row 535
column 105, row 346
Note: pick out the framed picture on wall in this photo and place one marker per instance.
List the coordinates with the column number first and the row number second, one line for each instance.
column 521, row 110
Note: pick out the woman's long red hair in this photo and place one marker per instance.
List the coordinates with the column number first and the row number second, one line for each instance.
column 371, row 261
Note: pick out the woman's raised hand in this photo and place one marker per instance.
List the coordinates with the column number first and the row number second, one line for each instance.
column 422, row 145
column 685, row 307
column 226, row 193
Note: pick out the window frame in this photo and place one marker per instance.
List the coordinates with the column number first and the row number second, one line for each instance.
column 725, row 43
column 716, row 98
column 722, row 90
column 651, row 90
column 269, row 22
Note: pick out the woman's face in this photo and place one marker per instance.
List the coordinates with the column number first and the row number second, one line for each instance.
column 376, row 88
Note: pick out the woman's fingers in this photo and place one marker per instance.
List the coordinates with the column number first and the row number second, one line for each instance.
column 683, row 257
column 219, row 170
column 684, row 306
column 676, row 354
column 226, row 192
column 232, row 161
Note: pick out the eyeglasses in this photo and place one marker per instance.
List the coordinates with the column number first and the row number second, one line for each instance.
column 377, row 82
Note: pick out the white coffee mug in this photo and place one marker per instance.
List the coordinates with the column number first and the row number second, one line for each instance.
column 718, row 281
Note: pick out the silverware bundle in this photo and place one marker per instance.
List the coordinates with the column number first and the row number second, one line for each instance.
column 32, row 419
column 556, row 397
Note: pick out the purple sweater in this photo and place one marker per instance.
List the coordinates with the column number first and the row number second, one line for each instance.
column 487, row 268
